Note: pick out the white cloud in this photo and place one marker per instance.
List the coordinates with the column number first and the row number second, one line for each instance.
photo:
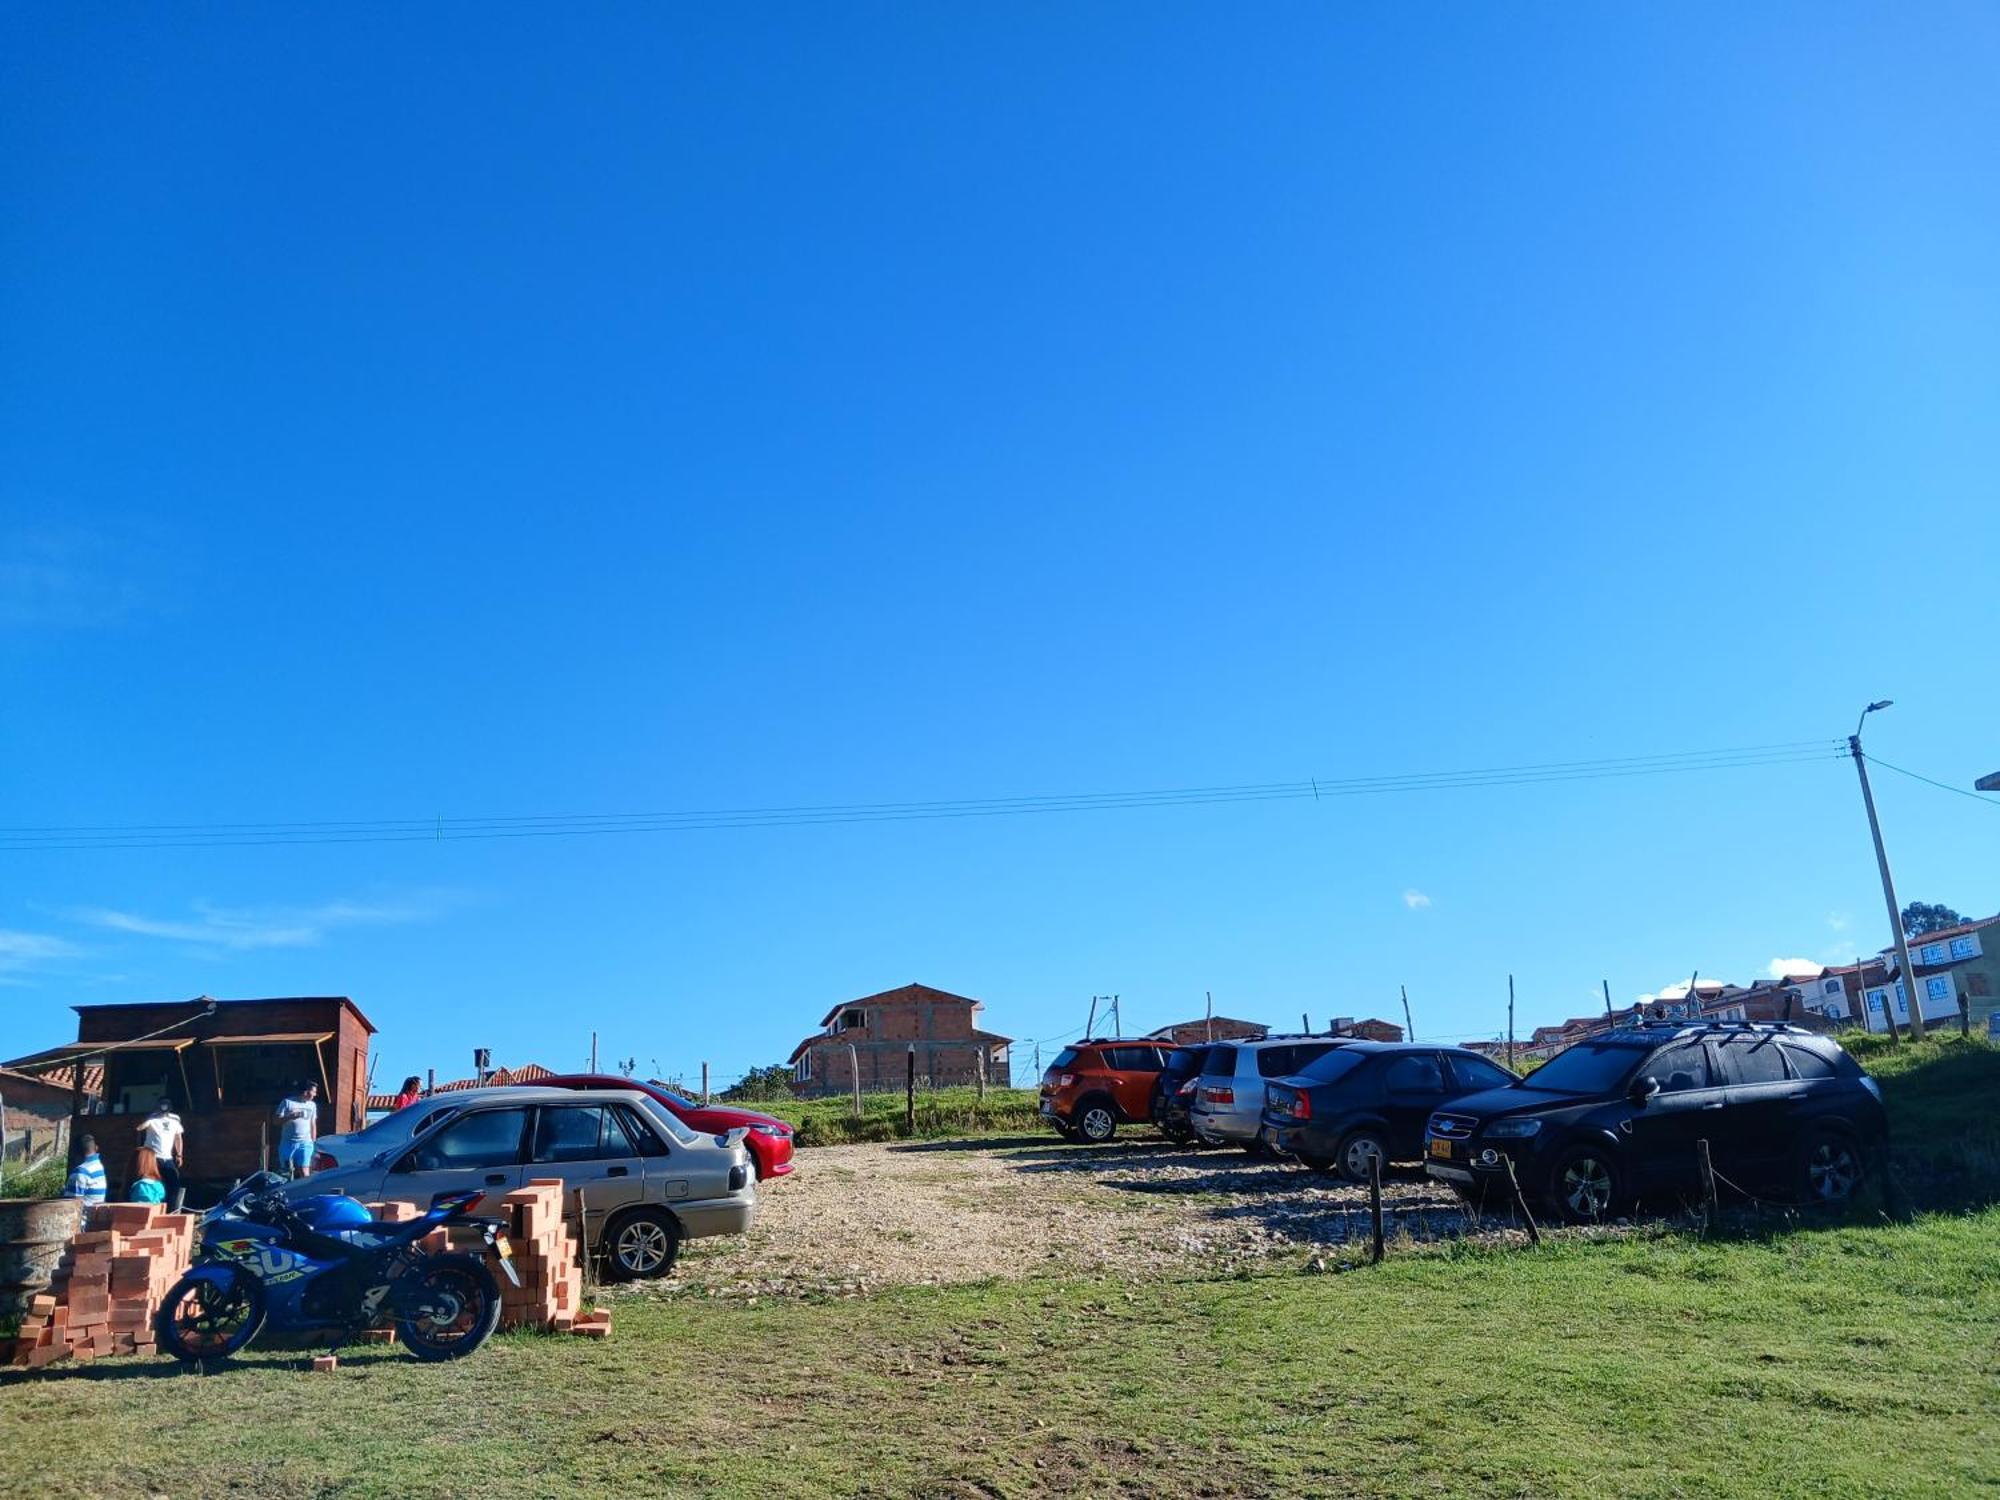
column 242, row 928
column 1788, row 968
column 1839, row 921
column 1416, row 900
column 21, row 952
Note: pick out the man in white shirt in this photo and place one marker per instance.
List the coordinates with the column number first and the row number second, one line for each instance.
column 298, row 1121
column 162, row 1134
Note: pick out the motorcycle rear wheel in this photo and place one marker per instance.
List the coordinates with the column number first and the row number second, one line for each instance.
column 201, row 1320
column 447, row 1307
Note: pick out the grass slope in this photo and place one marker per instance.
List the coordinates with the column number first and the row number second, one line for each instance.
column 940, row 1113
column 1826, row 1363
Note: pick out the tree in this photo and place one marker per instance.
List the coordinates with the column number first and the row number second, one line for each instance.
column 1920, row 917
column 773, row 1082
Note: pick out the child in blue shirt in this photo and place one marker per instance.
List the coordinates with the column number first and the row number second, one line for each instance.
column 86, row 1178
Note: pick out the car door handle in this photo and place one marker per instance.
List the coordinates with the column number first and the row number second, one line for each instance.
column 494, row 1179
column 615, row 1172
column 1716, row 1105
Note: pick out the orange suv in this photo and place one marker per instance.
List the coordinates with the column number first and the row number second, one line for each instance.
column 1094, row 1085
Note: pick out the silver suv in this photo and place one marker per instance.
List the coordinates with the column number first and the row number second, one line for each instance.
column 1228, row 1107
column 637, row 1181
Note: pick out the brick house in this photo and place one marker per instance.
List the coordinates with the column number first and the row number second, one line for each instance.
column 1957, row 968
column 877, row 1032
column 37, row 1113
column 1216, row 1029
column 1369, row 1030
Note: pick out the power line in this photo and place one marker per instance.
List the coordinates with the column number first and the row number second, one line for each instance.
column 1943, row 786
column 439, row 829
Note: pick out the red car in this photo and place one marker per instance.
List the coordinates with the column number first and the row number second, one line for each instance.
column 769, row 1139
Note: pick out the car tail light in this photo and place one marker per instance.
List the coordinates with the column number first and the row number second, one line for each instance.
column 1186, row 1088
column 739, row 1178
column 1064, row 1080
column 1213, row 1095
column 322, row 1162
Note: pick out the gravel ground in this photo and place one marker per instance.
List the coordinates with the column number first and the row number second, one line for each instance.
column 856, row 1218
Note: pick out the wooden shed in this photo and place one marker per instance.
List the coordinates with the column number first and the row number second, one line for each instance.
column 225, row 1064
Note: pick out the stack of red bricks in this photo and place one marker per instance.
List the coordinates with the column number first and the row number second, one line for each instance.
column 108, row 1286
column 544, row 1254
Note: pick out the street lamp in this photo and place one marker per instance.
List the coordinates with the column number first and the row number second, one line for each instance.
column 1905, row 970
column 1987, row 783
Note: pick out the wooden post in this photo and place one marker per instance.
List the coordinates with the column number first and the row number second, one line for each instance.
column 854, row 1076
column 1409, row 1026
column 979, row 1060
column 76, row 1109
column 1090, row 1026
column 1607, row 1002
column 1305, row 1023
column 1208, row 1012
column 1707, row 1180
column 910, row 1092
column 1888, row 1003
column 704, row 1083
column 1510, row 1022
column 430, row 1082
column 1964, row 1015
column 1375, row 1209
column 1521, row 1202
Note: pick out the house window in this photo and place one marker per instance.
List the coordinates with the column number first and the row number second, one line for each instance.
column 1832, row 986
column 853, row 1020
column 1931, row 953
column 263, row 1074
column 802, row 1070
column 1965, row 947
column 1938, row 987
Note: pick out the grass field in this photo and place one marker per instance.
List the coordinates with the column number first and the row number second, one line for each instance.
column 940, row 1113
column 1824, row 1363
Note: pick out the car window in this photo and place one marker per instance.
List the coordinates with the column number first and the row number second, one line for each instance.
column 1807, row 1063
column 570, row 1132
column 1064, row 1058
column 1277, row 1062
column 1220, row 1062
column 1475, row 1072
column 1133, row 1059
column 1760, row 1060
column 665, row 1122
column 1183, row 1062
column 1680, row 1068
column 1416, row 1073
column 486, row 1138
column 625, row 1134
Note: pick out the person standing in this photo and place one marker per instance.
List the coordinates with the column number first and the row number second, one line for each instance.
column 411, row 1091
column 86, row 1179
column 146, row 1184
column 162, row 1134
column 298, row 1121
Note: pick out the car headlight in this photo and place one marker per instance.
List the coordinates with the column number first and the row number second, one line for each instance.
column 1513, row 1128
column 778, row 1130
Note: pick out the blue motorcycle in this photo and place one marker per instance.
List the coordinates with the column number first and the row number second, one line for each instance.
column 324, row 1265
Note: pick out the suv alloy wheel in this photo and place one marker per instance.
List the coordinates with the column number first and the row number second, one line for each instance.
column 1832, row 1168
column 1584, row 1185
column 1095, row 1121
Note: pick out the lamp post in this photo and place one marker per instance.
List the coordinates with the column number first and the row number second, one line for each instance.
column 1905, row 970
column 1987, row 783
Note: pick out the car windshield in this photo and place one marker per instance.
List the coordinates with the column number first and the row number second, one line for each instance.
column 1337, row 1063
column 1586, row 1068
column 409, row 1121
column 1064, row 1058
column 1219, row 1060
column 664, row 1118
column 1184, row 1062
column 680, row 1101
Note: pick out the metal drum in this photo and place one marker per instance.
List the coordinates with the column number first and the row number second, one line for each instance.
column 34, row 1233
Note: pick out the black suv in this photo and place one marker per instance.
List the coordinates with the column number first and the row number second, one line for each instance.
column 1170, row 1105
column 1614, row 1120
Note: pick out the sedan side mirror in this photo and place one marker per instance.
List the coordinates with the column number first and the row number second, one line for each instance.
column 1643, row 1089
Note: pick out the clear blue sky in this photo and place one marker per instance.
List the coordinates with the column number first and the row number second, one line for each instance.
column 468, row 411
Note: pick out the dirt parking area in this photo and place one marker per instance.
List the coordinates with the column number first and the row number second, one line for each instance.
column 856, row 1218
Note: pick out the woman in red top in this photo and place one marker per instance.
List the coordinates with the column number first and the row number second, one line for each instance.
column 409, row 1093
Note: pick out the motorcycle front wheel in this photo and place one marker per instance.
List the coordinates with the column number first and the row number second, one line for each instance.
column 204, row 1318
column 447, row 1307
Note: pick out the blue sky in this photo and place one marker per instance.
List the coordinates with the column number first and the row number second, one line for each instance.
column 467, row 412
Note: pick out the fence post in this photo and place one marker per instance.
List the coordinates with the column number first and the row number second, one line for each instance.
column 1375, row 1209
column 910, row 1091
column 704, row 1083
column 854, row 1074
column 980, row 1082
column 1707, row 1182
column 1521, row 1203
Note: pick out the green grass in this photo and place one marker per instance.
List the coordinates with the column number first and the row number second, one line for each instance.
column 1832, row 1363
column 941, row 1113
column 43, row 1180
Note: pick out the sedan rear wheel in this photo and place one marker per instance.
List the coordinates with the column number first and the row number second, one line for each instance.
column 641, row 1246
column 1358, row 1151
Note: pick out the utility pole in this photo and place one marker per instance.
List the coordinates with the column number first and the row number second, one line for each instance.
column 1305, row 1024
column 1510, row 1020
column 1090, row 1026
column 593, row 1052
column 1409, row 1026
column 1905, row 971
column 1117, row 1018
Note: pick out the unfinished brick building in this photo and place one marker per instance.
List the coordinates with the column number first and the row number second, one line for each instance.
column 876, row 1033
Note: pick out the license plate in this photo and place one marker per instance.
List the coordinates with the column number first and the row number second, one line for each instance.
column 504, row 1250
column 1441, row 1148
